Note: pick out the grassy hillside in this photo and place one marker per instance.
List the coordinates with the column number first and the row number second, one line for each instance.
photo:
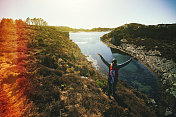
column 55, row 79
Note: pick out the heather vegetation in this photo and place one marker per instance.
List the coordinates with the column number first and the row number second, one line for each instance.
column 55, row 79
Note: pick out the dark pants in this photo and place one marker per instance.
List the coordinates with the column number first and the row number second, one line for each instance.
column 112, row 87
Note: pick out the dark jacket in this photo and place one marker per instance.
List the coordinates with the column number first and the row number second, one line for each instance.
column 118, row 66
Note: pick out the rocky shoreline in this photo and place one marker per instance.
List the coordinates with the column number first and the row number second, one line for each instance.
column 165, row 69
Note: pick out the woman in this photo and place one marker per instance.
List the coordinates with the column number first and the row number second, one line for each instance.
column 113, row 73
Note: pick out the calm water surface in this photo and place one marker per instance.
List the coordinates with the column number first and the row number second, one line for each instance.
column 135, row 74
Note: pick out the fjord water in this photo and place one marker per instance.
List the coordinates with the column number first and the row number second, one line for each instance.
column 135, row 74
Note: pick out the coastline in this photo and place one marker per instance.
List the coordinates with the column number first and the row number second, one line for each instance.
column 159, row 66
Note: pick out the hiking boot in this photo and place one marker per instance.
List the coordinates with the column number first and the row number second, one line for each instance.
column 109, row 97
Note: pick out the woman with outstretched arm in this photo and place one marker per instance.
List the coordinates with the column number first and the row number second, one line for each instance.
column 113, row 73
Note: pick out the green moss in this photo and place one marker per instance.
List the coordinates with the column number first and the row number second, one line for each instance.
column 102, row 83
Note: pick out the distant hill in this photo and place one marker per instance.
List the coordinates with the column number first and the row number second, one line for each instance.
column 68, row 29
column 161, row 37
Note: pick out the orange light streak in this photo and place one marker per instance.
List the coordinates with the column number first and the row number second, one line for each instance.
column 13, row 59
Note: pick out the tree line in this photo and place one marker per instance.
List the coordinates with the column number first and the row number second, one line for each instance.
column 36, row 21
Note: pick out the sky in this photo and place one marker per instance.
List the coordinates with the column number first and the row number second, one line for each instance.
column 91, row 13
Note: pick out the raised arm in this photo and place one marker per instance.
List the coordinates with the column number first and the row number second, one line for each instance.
column 104, row 61
column 125, row 63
